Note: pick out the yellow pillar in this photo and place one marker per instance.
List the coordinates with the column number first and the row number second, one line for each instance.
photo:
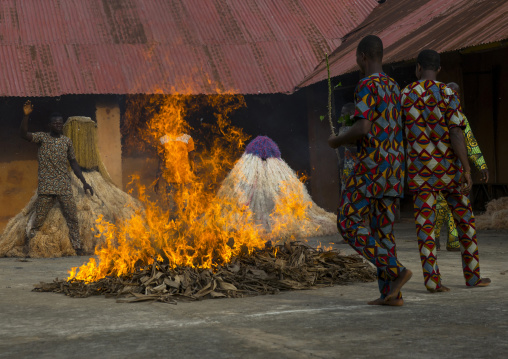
column 109, row 138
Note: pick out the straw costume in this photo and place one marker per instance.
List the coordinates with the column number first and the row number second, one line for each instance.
column 263, row 182
column 53, row 237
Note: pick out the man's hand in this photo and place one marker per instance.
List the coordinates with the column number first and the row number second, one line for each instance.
column 28, row 108
column 87, row 187
column 466, row 182
column 332, row 141
column 485, row 175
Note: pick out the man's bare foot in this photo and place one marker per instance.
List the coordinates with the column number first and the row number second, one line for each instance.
column 439, row 290
column 398, row 283
column 394, row 302
column 483, row 282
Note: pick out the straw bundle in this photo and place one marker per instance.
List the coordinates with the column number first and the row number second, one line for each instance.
column 279, row 201
column 52, row 240
column 496, row 216
column 108, row 201
column 83, row 133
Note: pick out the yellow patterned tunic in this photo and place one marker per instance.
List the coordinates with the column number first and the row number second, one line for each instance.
column 442, row 211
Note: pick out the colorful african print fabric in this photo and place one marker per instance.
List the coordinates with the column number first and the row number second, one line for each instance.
column 377, row 243
column 43, row 205
column 475, row 156
column 430, row 109
column 349, row 164
column 473, row 150
column 443, row 214
column 424, row 211
column 54, row 156
column 380, row 168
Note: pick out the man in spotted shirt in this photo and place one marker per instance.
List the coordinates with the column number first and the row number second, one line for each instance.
column 377, row 180
column 54, row 181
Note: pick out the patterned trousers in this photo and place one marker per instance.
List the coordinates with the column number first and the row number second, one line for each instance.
column 443, row 214
column 44, row 204
column 425, row 213
column 376, row 242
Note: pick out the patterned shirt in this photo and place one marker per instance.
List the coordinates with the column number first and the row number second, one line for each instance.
column 474, row 153
column 380, row 168
column 54, row 155
column 430, row 110
column 176, row 158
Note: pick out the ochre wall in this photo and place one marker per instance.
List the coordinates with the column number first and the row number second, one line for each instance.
column 18, row 183
column 109, row 139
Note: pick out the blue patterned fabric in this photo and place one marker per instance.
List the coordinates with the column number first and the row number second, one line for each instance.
column 380, row 168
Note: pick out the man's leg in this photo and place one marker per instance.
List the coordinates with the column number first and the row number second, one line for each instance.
column 424, row 211
column 43, row 205
column 442, row 211
column 453, row 243
column 382, row 218
column 70, row 213
column 353, row 207
column 465, row 222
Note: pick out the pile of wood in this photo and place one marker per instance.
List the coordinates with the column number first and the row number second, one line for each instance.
column 291, row 266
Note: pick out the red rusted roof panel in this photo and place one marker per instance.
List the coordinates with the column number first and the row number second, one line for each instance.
column 54, row 47
column 407, row 27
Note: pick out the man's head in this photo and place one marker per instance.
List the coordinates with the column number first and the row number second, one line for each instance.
column 454, row 86
column 370, row 49
column 428, row 60
column 56, row 122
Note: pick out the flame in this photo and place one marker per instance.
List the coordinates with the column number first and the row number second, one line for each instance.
column 186, row 225
column 289, row 216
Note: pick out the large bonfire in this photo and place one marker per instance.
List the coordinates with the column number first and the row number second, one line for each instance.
column 204, row 245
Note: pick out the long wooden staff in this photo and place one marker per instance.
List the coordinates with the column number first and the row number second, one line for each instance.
column 332, row 127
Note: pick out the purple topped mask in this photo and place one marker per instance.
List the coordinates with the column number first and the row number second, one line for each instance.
column 263, row 147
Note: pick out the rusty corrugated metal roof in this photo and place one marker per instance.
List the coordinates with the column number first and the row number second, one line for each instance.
column 407, row 27
column 54, row 47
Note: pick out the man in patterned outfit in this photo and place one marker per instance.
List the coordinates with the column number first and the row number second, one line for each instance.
column 435, row 151
column 443, row 212
column 54, row 181
column 377, row 179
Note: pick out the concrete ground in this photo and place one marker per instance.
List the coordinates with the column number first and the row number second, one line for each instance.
column 333, row 322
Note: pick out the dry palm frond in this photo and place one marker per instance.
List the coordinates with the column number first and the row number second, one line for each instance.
column 291, row 266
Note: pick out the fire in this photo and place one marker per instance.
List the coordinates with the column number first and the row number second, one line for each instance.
column 290, row 213
column 187, row 225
